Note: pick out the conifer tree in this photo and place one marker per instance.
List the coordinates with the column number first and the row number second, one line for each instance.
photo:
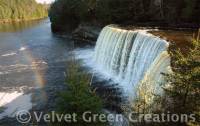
column 184, row 81
column 79, row 97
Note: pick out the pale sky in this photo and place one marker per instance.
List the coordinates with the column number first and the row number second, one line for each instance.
column 42, row 1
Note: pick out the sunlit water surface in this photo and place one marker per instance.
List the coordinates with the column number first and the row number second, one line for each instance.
column 31, row 57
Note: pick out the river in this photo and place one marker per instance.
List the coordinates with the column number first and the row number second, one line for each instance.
column 32, row 65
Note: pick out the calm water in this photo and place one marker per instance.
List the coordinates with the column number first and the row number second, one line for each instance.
column 30, row 55
column 32, row 61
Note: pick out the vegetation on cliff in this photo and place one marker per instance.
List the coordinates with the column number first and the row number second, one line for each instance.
column 162, row 12
column 14, row 10
column 184, row 90
column 181, row 96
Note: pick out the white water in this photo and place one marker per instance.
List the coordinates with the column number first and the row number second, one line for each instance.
column 129, row 57
column 13, row 102
column 9, row 54
column 153, row 78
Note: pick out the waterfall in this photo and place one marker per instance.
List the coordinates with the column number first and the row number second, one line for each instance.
column 131, row 57
column 153, row 78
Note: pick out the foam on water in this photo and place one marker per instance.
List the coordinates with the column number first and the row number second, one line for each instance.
column 13, row 102
column 9, row 54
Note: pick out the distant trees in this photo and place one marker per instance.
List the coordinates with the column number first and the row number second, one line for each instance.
column 103, row 12
column 21, row 10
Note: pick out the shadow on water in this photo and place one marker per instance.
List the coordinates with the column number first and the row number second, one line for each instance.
column 53, row 75
column 110, row 93
column 18, row 26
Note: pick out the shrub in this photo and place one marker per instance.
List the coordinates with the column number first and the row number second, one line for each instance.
column 79, row 97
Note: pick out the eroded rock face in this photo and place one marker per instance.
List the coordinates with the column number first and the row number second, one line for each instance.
column 157, row 2
column 58, row 28
column 86, row 32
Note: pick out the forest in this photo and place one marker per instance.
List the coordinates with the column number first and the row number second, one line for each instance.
column 182, row 13
column 14, row 10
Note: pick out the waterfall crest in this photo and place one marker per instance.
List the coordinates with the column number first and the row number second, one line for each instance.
column 131, row 57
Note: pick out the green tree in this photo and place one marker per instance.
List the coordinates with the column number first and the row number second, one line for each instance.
column 79, row 97
column 184, row 90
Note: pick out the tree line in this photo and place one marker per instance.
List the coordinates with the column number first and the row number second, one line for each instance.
column 162, row 12
column 11, row 10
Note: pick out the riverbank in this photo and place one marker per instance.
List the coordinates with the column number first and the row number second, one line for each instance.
column 23, row 10
column 2, row 21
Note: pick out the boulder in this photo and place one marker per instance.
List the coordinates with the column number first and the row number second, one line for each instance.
column 86, row 33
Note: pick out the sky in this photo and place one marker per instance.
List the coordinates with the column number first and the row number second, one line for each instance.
column 47, row 1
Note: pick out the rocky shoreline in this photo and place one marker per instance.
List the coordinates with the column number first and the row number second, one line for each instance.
column 88, row 34
column 20, row 20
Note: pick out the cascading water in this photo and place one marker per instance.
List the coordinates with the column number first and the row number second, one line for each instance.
column 131, row 57
column 153, row 78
